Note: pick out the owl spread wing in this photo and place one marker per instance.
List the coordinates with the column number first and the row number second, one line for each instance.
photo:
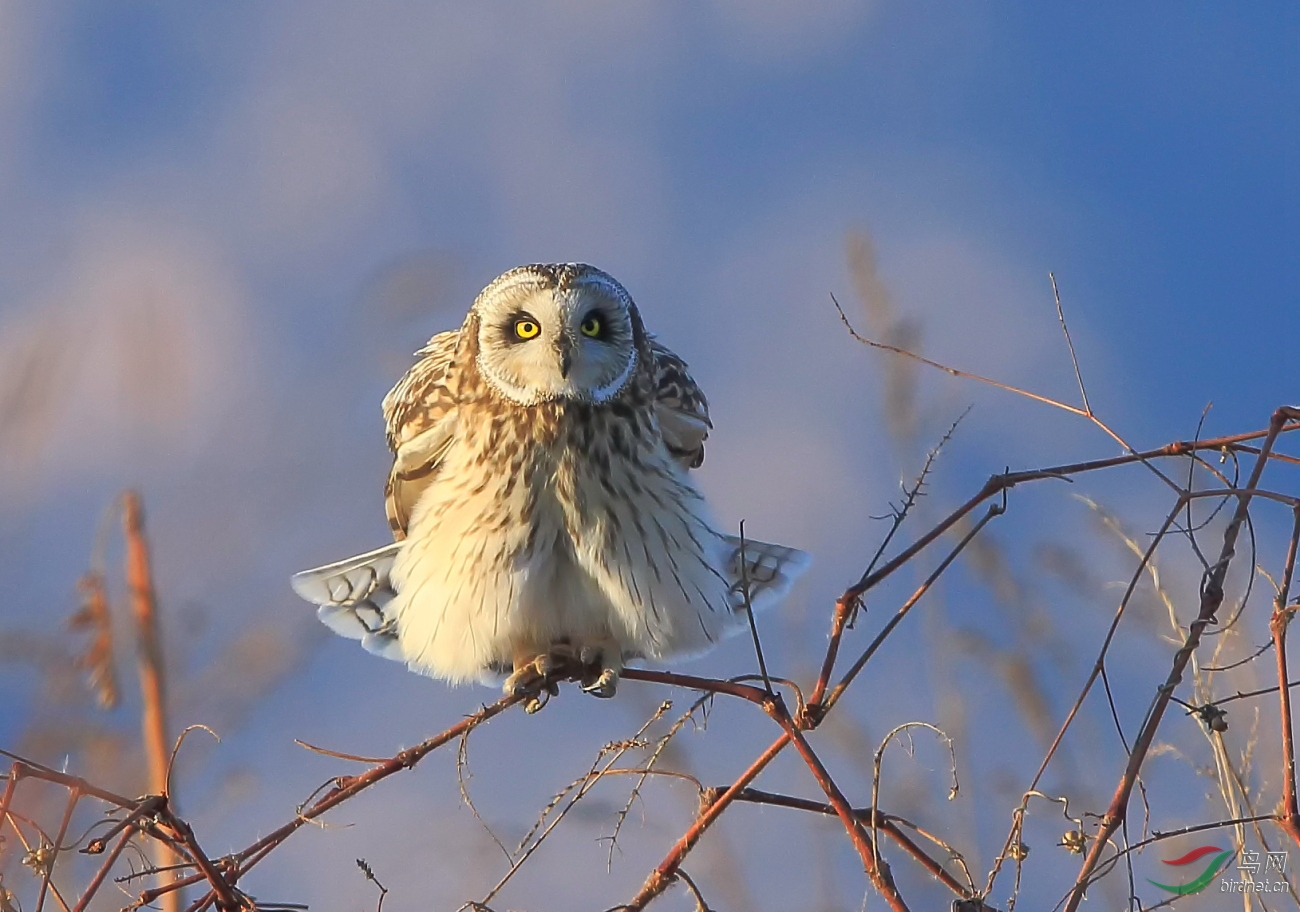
column 420, row 421
column 351, row 596
column 683, row 411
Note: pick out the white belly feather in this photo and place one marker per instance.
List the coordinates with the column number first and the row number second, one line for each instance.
column 485, row 575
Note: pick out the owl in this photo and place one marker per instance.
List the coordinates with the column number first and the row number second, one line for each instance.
column 545, row 518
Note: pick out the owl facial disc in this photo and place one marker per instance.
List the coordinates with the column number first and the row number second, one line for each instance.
column 548, row 333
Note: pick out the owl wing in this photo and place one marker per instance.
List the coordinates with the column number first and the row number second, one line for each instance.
column 420, row 421
column 351, row 596
column 681, row 406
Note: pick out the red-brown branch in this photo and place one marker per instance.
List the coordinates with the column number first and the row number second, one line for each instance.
column 663, row 875
column 743, row 691
column 228, row 870
column 819, row 710
column 884, row 822
column 876, row 867
column 97, row 881
column 347, row 786
column 57, row 846
column 227, row 898
column 846, row 603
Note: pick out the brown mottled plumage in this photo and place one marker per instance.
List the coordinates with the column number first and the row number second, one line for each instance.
column 422, row 398
column 541, row 500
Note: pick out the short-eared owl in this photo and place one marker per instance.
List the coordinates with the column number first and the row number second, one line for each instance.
column 541, row 500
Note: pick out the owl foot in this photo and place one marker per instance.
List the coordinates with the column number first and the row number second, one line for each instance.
column 601, row 669
column 596, row 667
column 537, row 677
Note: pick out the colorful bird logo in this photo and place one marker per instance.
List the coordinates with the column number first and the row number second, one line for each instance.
column 1212, row 870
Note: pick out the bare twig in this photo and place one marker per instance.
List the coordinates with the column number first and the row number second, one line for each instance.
column 462, row 779
column 1013, row 836
column 579, row 789
column 876, row 867
column 176, row 749
column 653, row 759
column 886, row 823
column 338, row 755
column 74, row 795
column 700, row 904
column 345, row 787
column 1060, row 315
column 749, row 612
column 879, row 757
column 846, row 608
column 860, row 663
column 93, row 887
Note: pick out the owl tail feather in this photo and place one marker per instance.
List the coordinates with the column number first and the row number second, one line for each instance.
column 351, row 596
column 769, row 570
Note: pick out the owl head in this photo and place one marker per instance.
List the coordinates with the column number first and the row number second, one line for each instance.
column 556, row 331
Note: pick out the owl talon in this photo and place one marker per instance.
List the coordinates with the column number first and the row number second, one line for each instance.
column 538, row 693
column 602, row 663
column 604, row 685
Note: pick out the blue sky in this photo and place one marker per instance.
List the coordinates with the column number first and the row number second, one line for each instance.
column 224, row 227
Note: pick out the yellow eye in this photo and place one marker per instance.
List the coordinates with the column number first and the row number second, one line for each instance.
column 591, row 327
column 526, row 329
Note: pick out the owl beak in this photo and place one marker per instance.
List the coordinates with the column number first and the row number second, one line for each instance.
column 565, row 348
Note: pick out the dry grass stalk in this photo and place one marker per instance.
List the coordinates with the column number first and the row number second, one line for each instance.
column 97, row 660
column 144, row 608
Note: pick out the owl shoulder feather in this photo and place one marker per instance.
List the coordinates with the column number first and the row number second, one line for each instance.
column 681, row 405
column 419, row 422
